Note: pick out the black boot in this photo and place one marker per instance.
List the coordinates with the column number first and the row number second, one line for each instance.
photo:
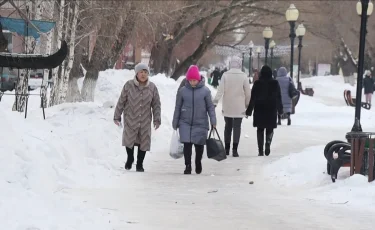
column 279, row 119
column 187, row 169
column 235, row 152
column 187, row 156
column 140, row 158
column 198, row 158
column 260, row 138
column 130, row 160
column 289, row 120
column 227, row 148
column 268, row 143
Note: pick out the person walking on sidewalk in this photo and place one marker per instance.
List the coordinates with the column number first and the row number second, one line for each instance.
column 368, row 85
column 193, row 109
column 235, row 90
column 266, row 103
column 139, row 103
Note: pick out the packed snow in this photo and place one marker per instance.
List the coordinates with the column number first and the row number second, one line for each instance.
column 66, row 172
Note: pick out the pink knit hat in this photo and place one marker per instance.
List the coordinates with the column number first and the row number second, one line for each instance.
column 193, row 73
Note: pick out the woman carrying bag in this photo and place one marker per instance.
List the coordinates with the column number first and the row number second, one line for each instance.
column 193, row 109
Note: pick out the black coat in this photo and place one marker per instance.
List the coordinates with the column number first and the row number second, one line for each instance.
column 266, row 102
column 215, row 75
column 368, row 84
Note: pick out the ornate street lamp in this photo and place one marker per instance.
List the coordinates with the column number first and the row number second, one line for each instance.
column 258, row 52
column 300, row 32
column 272, row 46
column 291, row 16
column 251, row 45
column 267, row 35
column 364, row 9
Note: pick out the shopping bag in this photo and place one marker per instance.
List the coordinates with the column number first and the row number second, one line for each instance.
column 177, row 148
column 215, row 147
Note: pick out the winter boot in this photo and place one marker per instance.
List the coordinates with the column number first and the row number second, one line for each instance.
column 235, row 152
column 227, row 148
column 130, row 160
column 140, row 158
column 198, row 160
column 260, row 137
column 289, row 120
column 279, row 119
column 187, row 169
column 268, row 143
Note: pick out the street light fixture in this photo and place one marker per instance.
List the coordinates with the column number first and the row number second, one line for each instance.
column 364, row 9
column 300, row 32
column 267, row 35
column 251, row 45
column 258, row 52
column 292, row 15
column 272, row 46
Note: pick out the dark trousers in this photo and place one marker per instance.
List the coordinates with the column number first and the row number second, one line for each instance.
column 260, row 137
column 140, row 156
column 188, row 151
column 235, row 125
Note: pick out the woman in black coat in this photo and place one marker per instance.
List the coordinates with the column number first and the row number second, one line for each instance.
column 368, row 84
column 266, row 102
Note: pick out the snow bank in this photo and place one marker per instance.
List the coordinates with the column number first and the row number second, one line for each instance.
column 306, row 172
column 327, row 107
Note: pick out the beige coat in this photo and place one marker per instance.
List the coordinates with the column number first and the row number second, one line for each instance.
column 235, row 90
column 139, row 104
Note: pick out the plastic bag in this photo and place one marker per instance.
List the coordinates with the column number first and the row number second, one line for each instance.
column 177, row 148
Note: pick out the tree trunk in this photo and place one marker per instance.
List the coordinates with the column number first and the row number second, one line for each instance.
column 89, row 84
column 55, row 79
column 22, row 85
column 72, row 37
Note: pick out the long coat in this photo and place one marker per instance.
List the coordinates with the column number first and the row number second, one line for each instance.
column 284, row 82
column 193, row 109
column 139, row 105
column 215, row 75
column 235, row 90
column 368, row 84
column 265, row 101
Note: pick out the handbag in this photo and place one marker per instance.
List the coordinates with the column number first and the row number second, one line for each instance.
column 215, row 147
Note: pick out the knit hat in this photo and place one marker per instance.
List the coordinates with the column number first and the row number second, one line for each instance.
column 235, row 63
column 193, row 73
column 141, row 66
column 282, row 72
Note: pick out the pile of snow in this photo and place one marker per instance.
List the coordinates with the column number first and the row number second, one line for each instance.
column 306, row 172
column 329, row 89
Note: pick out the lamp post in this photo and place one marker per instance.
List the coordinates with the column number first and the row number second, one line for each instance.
column 258, row 52
column 267, row 35
column 272, row 45
column 364, row 10
column 291, row 16
column 300, row 32
column 251, row 45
